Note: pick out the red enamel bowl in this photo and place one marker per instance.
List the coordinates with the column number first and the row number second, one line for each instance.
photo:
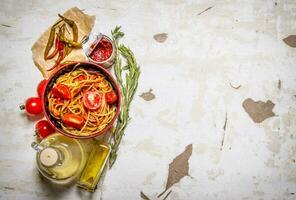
column 67, row 68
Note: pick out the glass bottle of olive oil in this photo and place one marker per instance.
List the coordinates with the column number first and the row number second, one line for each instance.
column 60, row 159
column 95, row 165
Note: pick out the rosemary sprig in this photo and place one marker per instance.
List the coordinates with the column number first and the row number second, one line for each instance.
column 127, row 73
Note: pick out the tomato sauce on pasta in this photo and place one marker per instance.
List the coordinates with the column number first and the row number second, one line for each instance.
column 80, row 101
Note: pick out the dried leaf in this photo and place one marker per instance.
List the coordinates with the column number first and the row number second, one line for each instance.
column 161, row 37
column 178, row 168
column 290, row 40
column 258, row 110
column 148, row 96
column 143, row 196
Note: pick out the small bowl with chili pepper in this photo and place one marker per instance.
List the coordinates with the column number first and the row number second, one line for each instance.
column 81, row 100
column 101, row 51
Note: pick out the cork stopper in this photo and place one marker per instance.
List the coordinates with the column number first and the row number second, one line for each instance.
column 49, row 157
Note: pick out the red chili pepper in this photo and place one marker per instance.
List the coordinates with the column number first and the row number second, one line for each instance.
column 61, row 91
column 61, row 47
column 57, row 41
column 73, row 120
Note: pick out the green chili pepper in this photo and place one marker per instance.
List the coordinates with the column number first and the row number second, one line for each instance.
column 50, row 40
column 70, row 42
column 67, row 50
column 73, row 25
column 57, row 43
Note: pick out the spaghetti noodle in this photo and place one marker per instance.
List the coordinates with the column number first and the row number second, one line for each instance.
column 67, row 98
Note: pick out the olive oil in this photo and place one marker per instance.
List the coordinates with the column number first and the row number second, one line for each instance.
column 94, row 167
column 60, row 158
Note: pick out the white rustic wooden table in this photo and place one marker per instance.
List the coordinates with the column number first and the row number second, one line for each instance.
column 195, row 76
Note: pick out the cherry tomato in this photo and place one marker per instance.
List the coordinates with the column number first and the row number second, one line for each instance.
column 73, row 120
column 61, row 91
column 33, row 106
column 111, row 97
column 41, row 87
column 92, row 100
column 43, row 129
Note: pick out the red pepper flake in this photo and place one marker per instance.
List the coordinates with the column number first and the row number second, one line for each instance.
column 102, row 51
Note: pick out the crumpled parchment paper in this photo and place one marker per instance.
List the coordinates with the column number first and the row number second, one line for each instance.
column 85, row 24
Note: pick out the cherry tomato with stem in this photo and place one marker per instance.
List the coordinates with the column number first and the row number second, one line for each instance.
column 33, row 106
column 43, row 129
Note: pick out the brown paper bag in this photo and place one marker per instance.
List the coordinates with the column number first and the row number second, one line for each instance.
column 85, row 24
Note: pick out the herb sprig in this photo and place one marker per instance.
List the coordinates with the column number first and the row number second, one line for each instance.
column 127, row 73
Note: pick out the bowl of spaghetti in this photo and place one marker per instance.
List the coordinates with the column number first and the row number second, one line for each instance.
column 81, row 100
